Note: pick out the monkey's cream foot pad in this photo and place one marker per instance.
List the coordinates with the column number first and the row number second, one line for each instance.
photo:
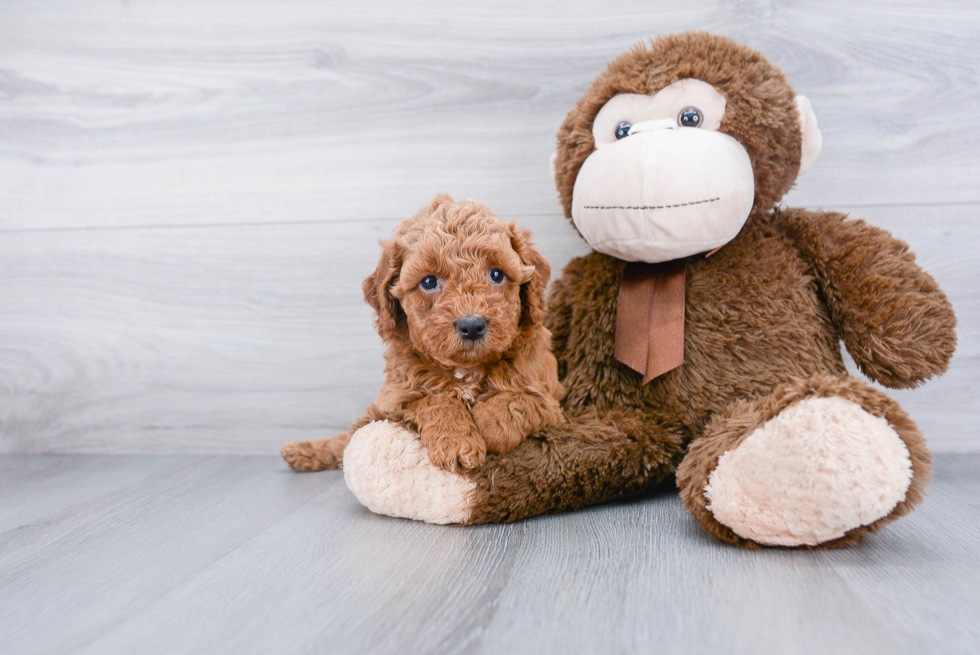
column 820, row 468
column 388, row 470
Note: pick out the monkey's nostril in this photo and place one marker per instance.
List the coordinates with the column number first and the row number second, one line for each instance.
column 471, row 327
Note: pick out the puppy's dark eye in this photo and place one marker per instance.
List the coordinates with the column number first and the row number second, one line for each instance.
column 690, row 117
column 429, row 283
column 623, row 130
column 497, row 276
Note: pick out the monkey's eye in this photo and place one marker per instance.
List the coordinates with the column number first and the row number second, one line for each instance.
column 623, row 130
column 690, row 117
column 497, row 276
column 429, row 283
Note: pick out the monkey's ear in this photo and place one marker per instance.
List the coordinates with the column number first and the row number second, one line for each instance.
column 554, row 157
column 812, row 139
column 377, row 291
column 537, row 272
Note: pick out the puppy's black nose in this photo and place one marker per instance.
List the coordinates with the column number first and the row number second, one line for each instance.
column 471, row 327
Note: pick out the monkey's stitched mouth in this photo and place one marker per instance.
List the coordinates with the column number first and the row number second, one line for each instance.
column 683, row 204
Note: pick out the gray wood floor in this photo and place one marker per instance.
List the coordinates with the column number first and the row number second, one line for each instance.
column 191, row 192
column 222, row 554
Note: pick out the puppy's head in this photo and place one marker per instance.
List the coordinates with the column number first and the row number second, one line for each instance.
column 458, row 284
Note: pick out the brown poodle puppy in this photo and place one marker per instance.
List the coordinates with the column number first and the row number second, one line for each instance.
column 459, row 299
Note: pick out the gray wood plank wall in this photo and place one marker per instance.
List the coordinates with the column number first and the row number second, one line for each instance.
column 191, row 192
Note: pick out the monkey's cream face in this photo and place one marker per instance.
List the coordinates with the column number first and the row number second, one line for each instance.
column 663, row 182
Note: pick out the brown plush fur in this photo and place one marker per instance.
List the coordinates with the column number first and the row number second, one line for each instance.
column 760, row 112
column 765, row 317
column 464, row 398
column 731, row 426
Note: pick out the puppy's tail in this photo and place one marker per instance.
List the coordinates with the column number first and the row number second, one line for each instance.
column 320, row 455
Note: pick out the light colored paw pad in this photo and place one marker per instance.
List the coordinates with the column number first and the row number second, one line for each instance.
column 820, row 468
column 388, row 470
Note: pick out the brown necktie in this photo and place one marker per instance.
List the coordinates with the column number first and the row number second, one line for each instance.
column 650, row 318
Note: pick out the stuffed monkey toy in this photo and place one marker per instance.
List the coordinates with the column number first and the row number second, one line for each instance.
column 700, row 341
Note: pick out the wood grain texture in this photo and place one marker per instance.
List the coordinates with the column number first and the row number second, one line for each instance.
column 237, row 555
column 198, row 339
column 235, row 339
column 191, row 192
column 188, row 112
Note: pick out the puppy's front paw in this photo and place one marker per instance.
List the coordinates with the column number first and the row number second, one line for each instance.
column 387, row 468
column 453, row 452
column 496, row 423
column 308, row 456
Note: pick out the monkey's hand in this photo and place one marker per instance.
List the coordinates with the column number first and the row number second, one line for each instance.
column 894, row 320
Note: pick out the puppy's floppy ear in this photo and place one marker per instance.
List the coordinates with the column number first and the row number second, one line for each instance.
column 538, row 272
column 377, row 291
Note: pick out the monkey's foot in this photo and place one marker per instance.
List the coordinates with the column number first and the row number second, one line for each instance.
column 817, row 470
column 388, row 470
column 821, row 468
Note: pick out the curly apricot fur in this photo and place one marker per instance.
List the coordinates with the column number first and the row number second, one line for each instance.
column 464, row 398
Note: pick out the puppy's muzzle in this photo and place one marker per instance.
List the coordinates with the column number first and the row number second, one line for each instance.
column 471, row 327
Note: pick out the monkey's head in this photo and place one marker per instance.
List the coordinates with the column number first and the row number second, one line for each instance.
column 677, row 143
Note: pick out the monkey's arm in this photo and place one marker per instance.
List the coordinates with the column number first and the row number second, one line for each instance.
column 591, row 458
column 893, row 318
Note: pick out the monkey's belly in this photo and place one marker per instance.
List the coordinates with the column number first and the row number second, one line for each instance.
column 754, row 318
